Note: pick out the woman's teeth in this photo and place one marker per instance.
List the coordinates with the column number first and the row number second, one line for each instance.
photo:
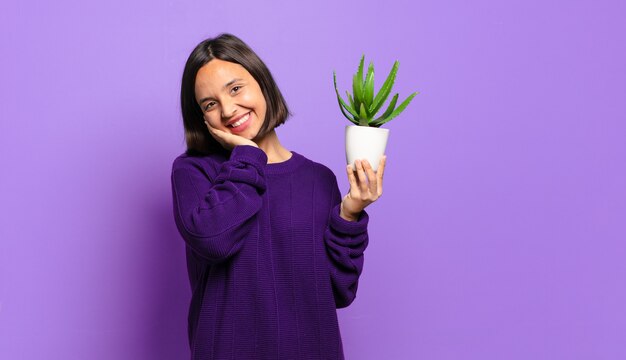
column 241, row 121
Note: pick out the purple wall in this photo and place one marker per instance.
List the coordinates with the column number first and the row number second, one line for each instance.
column 501, row 234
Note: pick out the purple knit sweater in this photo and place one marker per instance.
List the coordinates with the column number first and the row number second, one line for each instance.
column 268, row 256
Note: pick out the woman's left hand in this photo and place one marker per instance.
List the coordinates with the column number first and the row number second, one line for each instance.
column 362, row 193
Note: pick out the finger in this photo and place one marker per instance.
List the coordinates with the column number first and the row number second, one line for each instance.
column 215, row 132
column 218, row 135
column 373, row 187
column 352, row 179
column 381, row 171
column 209, row 127
column 362, row 178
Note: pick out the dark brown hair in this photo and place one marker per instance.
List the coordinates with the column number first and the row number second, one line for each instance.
column 226, row 47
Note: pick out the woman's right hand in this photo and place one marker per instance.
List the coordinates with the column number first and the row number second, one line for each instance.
column 228, row 140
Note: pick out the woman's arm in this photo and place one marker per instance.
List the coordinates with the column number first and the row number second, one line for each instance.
column 345, row 243
column 346, row 235
column 214, row 216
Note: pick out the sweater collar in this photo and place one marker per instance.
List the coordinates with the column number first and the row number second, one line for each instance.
column 286, row 166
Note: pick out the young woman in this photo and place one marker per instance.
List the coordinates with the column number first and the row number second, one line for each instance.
column 272, row 248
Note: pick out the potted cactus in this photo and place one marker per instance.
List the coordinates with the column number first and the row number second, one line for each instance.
column 365, row 139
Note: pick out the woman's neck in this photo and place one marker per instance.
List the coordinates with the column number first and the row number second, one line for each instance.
column 273, row 149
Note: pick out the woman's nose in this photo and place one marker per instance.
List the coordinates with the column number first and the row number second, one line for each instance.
column 228, row 110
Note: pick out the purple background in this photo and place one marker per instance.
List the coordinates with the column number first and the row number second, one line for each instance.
column 501, row 233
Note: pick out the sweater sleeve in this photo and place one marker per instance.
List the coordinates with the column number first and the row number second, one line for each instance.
column 345, row 243
column 215, row 215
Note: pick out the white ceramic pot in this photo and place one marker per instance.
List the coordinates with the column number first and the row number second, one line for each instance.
column 363, row 142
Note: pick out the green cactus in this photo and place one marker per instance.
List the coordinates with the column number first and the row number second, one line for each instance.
column 362, row 105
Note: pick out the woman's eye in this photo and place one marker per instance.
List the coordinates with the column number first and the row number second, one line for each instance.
column 208, row 106
column 236, row 87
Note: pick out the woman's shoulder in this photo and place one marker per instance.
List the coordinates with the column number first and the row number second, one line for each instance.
column 318, row 169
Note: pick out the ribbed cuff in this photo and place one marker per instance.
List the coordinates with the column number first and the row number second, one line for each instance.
column 249, row 153
column 348, row 227
column 246, row 165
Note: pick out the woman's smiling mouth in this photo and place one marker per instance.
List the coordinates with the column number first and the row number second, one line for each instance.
column 240, row 121
column 241, row 124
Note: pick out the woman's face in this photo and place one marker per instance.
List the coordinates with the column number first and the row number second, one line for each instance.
column 228, row 95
